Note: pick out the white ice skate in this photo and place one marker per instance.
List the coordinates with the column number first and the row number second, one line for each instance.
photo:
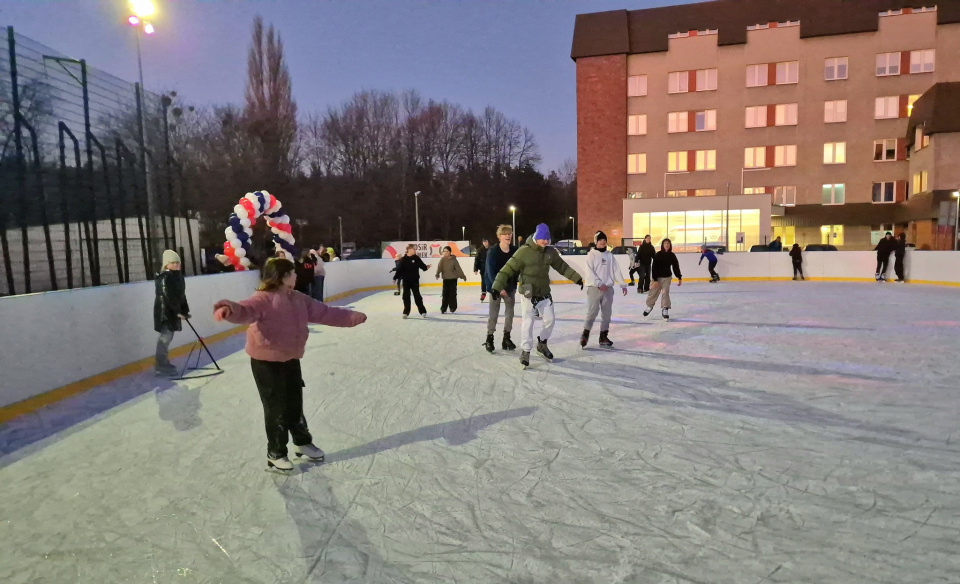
column 308, row 451
column 282, row 464
column 665, row 313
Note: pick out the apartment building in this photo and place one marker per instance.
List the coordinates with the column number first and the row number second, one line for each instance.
column 763, row 118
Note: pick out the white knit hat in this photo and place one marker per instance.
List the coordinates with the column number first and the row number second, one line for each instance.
column 170, row 257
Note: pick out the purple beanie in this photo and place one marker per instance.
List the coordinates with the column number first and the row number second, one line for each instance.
column 542, row 232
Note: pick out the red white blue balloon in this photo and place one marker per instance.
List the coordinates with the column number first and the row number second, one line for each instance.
column 239, row 231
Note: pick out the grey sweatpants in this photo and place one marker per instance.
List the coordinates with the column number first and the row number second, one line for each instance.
column 662, row 285
column 598, row 302
column 509, row 302
column 163, row 348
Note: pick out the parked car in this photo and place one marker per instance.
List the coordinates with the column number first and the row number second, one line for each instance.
column 365, row 253
column 568, row 243
column 820, row 247
column 624, row 250
column 760, row 247
column 574, row 250
column 717, row 248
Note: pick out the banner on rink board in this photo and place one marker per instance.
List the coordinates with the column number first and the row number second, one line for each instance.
column 425, row 249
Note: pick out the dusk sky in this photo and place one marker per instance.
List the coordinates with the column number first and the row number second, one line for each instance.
column 514, row 55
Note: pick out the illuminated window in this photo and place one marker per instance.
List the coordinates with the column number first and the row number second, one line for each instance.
column 677, row 161
column 754, row 157
column 835, row 153
column 785, row 155
column 706, row 192
column 834, row 194
column 886, row 107
column 919, row 182
column 637, row 125
column 786, row 114
column 636, row 164
column 706, row 160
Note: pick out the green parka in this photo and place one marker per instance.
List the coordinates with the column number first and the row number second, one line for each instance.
column 533, row 262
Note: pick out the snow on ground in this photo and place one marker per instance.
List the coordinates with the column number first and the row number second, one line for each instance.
column 769, row 432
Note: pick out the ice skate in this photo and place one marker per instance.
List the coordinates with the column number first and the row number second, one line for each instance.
column 525, row 359
column 488, row 344
column 584, row 339
column 605, row 340
column 308, row 451
column 281, row 464
column 878, row 276
column 883, row 277
column 647, row 311
column 483, row 296
column 507, row 343
column 794, row 278
column 665, row 313
column 544, row 350
column 423, row 314
column 406, row 316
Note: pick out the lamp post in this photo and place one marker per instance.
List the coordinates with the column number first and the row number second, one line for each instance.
column 340, row 219
column 463, row 233
column 416, row 205
column 743, row 171
column 956, row 222
column 574, row 219
column 513, row 210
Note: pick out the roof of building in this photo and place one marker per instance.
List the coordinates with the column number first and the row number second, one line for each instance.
column 938, row 110
column 647, row 31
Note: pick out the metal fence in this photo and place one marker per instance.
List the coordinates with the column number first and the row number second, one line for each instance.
column 89, row 191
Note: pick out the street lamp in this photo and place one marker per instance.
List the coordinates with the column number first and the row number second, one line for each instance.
column 416, row 204
column 743, row 171
column 463, row 233
column 514, row 224
column 340, row 219
column 956, row 223
column 574, row 219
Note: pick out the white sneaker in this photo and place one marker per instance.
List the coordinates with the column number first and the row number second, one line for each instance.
column 282, row 463
column 308, row 451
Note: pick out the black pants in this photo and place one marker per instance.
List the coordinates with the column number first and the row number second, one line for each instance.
column 408, row 288
column 882, row 265
column 633, row 271
column 711, row 266
column 281, row 392
column 449, row 298
column 898, row 267
column 797, row 268
column 643, row 276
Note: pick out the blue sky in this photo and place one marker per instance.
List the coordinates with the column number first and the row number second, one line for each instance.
column 513, row 55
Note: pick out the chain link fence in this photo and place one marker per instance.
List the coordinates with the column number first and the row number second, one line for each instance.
column 90, row 193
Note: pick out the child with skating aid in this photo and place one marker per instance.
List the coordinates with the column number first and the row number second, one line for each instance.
column 663, row 262
column 532, row 263
column 408, row 272
column 603, row 273
column 278, row 316
column 497, row 257
column 706, row 252
column 449, row 268
column 169, row 307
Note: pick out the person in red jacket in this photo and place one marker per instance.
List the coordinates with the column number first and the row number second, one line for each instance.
column 278, row 316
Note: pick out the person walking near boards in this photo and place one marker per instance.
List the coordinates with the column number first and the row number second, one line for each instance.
column 899, row 253
column 480, row 268
column 663, row 262
column 884, row 249
column 644, row 257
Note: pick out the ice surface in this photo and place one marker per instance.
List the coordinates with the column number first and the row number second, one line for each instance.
column 769, row 432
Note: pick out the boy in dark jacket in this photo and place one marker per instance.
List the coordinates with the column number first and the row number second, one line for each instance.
column 305, row 272
column 497, row 257
column 899, row 252
column 449, row 268
column 884, row 249
column 662, row 264
column 168, row 308
column 706, row 252
column 645, row 254
column 408, row 272
column 480, row 268
column 796, row 254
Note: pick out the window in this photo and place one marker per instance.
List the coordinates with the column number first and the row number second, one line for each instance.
column 788, row 72
column 636, row 86
column 677, row 161
column 919, row 182
column 706, row 160
column 911, row 99
column 833, row 194
column 637, row 125
column 706, row 192
column 835, row 111
column 757, row 75
column 754, row 190
column 785, row 155
column 636, row 164
column 755, row 157
column 835, row 68
column 756, row 116
column 677, row 122
column 832, row 234
column 883, row 192
column 886, row 108
column 636, row 195
column 835, row 153
column 884, row 150
column 706, row 79
column 920, row 139
column 706, row 120
column 888, row 64
column 678, row 82
column 785, row 196
column 786, row 114
column 922, row 61
column 676, row 194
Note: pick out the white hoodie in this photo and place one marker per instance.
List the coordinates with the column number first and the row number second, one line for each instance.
column 602, row 268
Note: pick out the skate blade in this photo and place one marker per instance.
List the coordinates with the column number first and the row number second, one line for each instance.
column 279, row 471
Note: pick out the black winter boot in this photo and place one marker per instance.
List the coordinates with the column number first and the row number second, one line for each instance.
column 488, row 344
column 543, row 349
column 584, row 338
column 604, row 340
column 507, row 343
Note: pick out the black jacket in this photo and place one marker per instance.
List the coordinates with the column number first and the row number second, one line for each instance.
column 496, row 259
column 171, row 300
column 885, row 248
column 899, row 248
column 775, row 245
column 408, row 269
column 645, row 253
column 797, row 254
column 480, row 261
column 304, row 270
column 662, row 262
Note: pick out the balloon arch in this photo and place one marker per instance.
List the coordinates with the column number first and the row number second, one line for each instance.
column 236, row 250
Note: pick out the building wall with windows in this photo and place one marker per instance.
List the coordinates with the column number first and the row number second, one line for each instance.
column 815, row 119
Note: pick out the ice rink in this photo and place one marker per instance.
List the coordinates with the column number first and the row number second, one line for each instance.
column 769, row 432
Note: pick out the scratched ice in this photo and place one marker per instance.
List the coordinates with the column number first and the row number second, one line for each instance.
column 769, row 432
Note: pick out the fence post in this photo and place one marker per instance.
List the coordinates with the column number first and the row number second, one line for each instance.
column 44, row 218
column 20, row 194
column 4, row 243
column 93, row 253
column 152, row 210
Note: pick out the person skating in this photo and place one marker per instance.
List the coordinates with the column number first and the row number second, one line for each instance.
column 706, row 252
column 319, row 275
column 497, row 257
column 305, row 272
column 663, row 262
column 396, row 267
column 532, row 263
column 796, row 255
column 408, row 272
column 449, row 269
column 278, row 316
column 899, row 253
column 884, row 249
column 480, row 267
column 644, row 258
column 602, row 274
column 169, row 307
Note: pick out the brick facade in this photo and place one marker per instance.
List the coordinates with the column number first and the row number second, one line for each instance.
column 601, row 145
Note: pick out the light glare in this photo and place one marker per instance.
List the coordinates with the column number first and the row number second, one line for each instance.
column 148, row 28
column 143, row 8
column 134, row 21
